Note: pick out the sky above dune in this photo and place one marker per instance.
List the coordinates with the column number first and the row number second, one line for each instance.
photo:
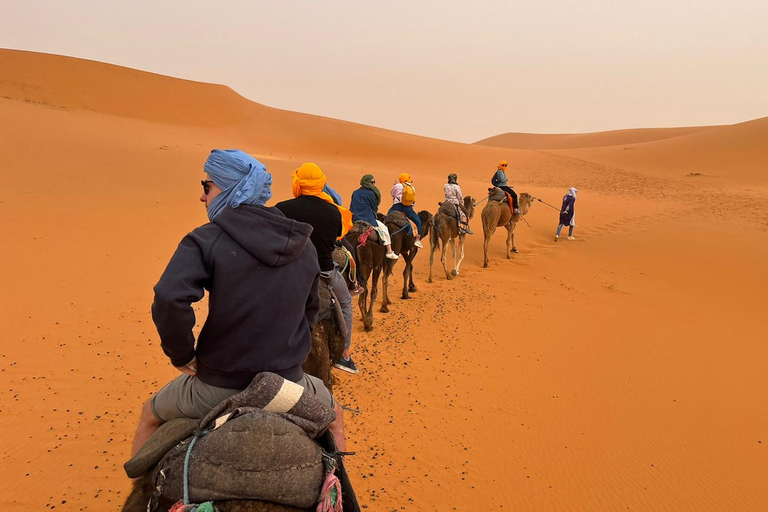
column 452, row 69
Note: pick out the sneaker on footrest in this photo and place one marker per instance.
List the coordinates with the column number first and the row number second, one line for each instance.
column 347, row 365
column 392, row 255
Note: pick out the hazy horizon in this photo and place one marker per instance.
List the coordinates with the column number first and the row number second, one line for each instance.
column 464, row 73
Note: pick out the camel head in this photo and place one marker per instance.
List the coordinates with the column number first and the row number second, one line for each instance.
column 525, row 200
column 469, row 206
column 426, row 221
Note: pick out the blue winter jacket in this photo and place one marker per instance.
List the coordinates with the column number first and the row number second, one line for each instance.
column 363, row 206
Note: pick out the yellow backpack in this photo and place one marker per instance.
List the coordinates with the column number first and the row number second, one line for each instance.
column 409, row 194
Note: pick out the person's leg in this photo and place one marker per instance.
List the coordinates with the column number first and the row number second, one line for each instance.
column 336, row 427
column 570, row 232
column 513, row 195
column 341, row 291
column 411, row 214
column 184, row 397
column 559, row 228
column 386, row 240
column 148, row 424
column 402, row 209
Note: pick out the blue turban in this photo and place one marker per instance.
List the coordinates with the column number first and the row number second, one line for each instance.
column 241, row 178
column 334, row 195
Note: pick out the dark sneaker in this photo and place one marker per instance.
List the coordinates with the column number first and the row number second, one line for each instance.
column 347, row 365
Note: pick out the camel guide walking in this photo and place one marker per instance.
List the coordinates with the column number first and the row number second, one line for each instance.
column 453, row 195
column 403, row 198
column 365, row 205
column 329, row 222
column 567, row 214
column 261, row 274
column 499, row 180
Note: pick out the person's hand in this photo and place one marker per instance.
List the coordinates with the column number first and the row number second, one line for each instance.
column 189, row 369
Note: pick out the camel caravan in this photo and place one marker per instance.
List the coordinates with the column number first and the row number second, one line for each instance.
column 251, row 424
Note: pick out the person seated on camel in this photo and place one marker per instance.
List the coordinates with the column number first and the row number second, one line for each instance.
column 261, row 274
column 403, row 198
column 365, row 205
column 499, row 180
column 329, row 222
column 453, row 195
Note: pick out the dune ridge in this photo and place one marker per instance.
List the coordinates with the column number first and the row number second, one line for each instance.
column 620, row 371
column 586, row 140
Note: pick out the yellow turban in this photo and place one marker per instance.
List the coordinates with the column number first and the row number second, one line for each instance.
column 309, row 180
column 503, row 163
column 404, row 177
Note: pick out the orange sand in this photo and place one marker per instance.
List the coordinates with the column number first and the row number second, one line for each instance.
column 624, row 372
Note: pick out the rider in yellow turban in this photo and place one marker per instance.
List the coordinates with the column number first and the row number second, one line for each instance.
column 309, row 180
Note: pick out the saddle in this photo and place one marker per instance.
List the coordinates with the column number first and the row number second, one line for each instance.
column 496, row 194
column 256, row 445
column 448, row 208
column 397, row 218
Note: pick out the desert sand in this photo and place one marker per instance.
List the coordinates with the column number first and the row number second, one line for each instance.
column 624, row 370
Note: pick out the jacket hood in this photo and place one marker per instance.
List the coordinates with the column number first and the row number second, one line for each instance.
column 265, row 233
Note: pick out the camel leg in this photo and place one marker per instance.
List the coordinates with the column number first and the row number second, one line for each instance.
column 411, row 284
column 405, row 295
column 432, row 249
column 453, row 256
column 442, row 260
column 509, row 243
column 512, row 240
column 462, row 241
column 486, row 241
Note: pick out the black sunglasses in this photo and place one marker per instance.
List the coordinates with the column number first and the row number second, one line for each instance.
column 503, row 165
column 206, row 186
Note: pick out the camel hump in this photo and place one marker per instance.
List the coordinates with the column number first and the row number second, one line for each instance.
column 496, row 194
column 448, row 208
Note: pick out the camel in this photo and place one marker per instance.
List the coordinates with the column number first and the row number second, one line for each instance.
column 496, row 214
column 445, row 229
column 371, row 263
column 402, row 244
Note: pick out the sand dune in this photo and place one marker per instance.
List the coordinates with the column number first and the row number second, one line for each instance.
column 623, row 370
column 738, row 152
column 586, row 140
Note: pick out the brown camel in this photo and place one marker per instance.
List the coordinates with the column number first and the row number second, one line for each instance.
column 403, row 245
column 496, row 214
column 371, row 264
column 445, row 229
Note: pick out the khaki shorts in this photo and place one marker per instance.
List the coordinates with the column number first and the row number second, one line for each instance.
column 189, row 397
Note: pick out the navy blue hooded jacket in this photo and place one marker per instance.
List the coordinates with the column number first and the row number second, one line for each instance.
column 261, row 273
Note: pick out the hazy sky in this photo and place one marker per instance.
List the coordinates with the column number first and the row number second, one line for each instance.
column 459, row 70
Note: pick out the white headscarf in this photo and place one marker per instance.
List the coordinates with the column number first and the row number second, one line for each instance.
column 572, row 192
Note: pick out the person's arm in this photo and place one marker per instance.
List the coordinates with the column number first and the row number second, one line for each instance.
column 313, row 304
column 182, row 284
column 371, row 200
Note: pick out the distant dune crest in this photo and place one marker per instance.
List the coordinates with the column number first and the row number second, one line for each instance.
column 586, row 140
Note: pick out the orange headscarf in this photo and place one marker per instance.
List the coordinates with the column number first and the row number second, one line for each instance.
column 309, row 180
column 404, row 177
column 503, row 163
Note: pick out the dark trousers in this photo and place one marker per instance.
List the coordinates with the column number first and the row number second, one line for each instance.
column 513, row 194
